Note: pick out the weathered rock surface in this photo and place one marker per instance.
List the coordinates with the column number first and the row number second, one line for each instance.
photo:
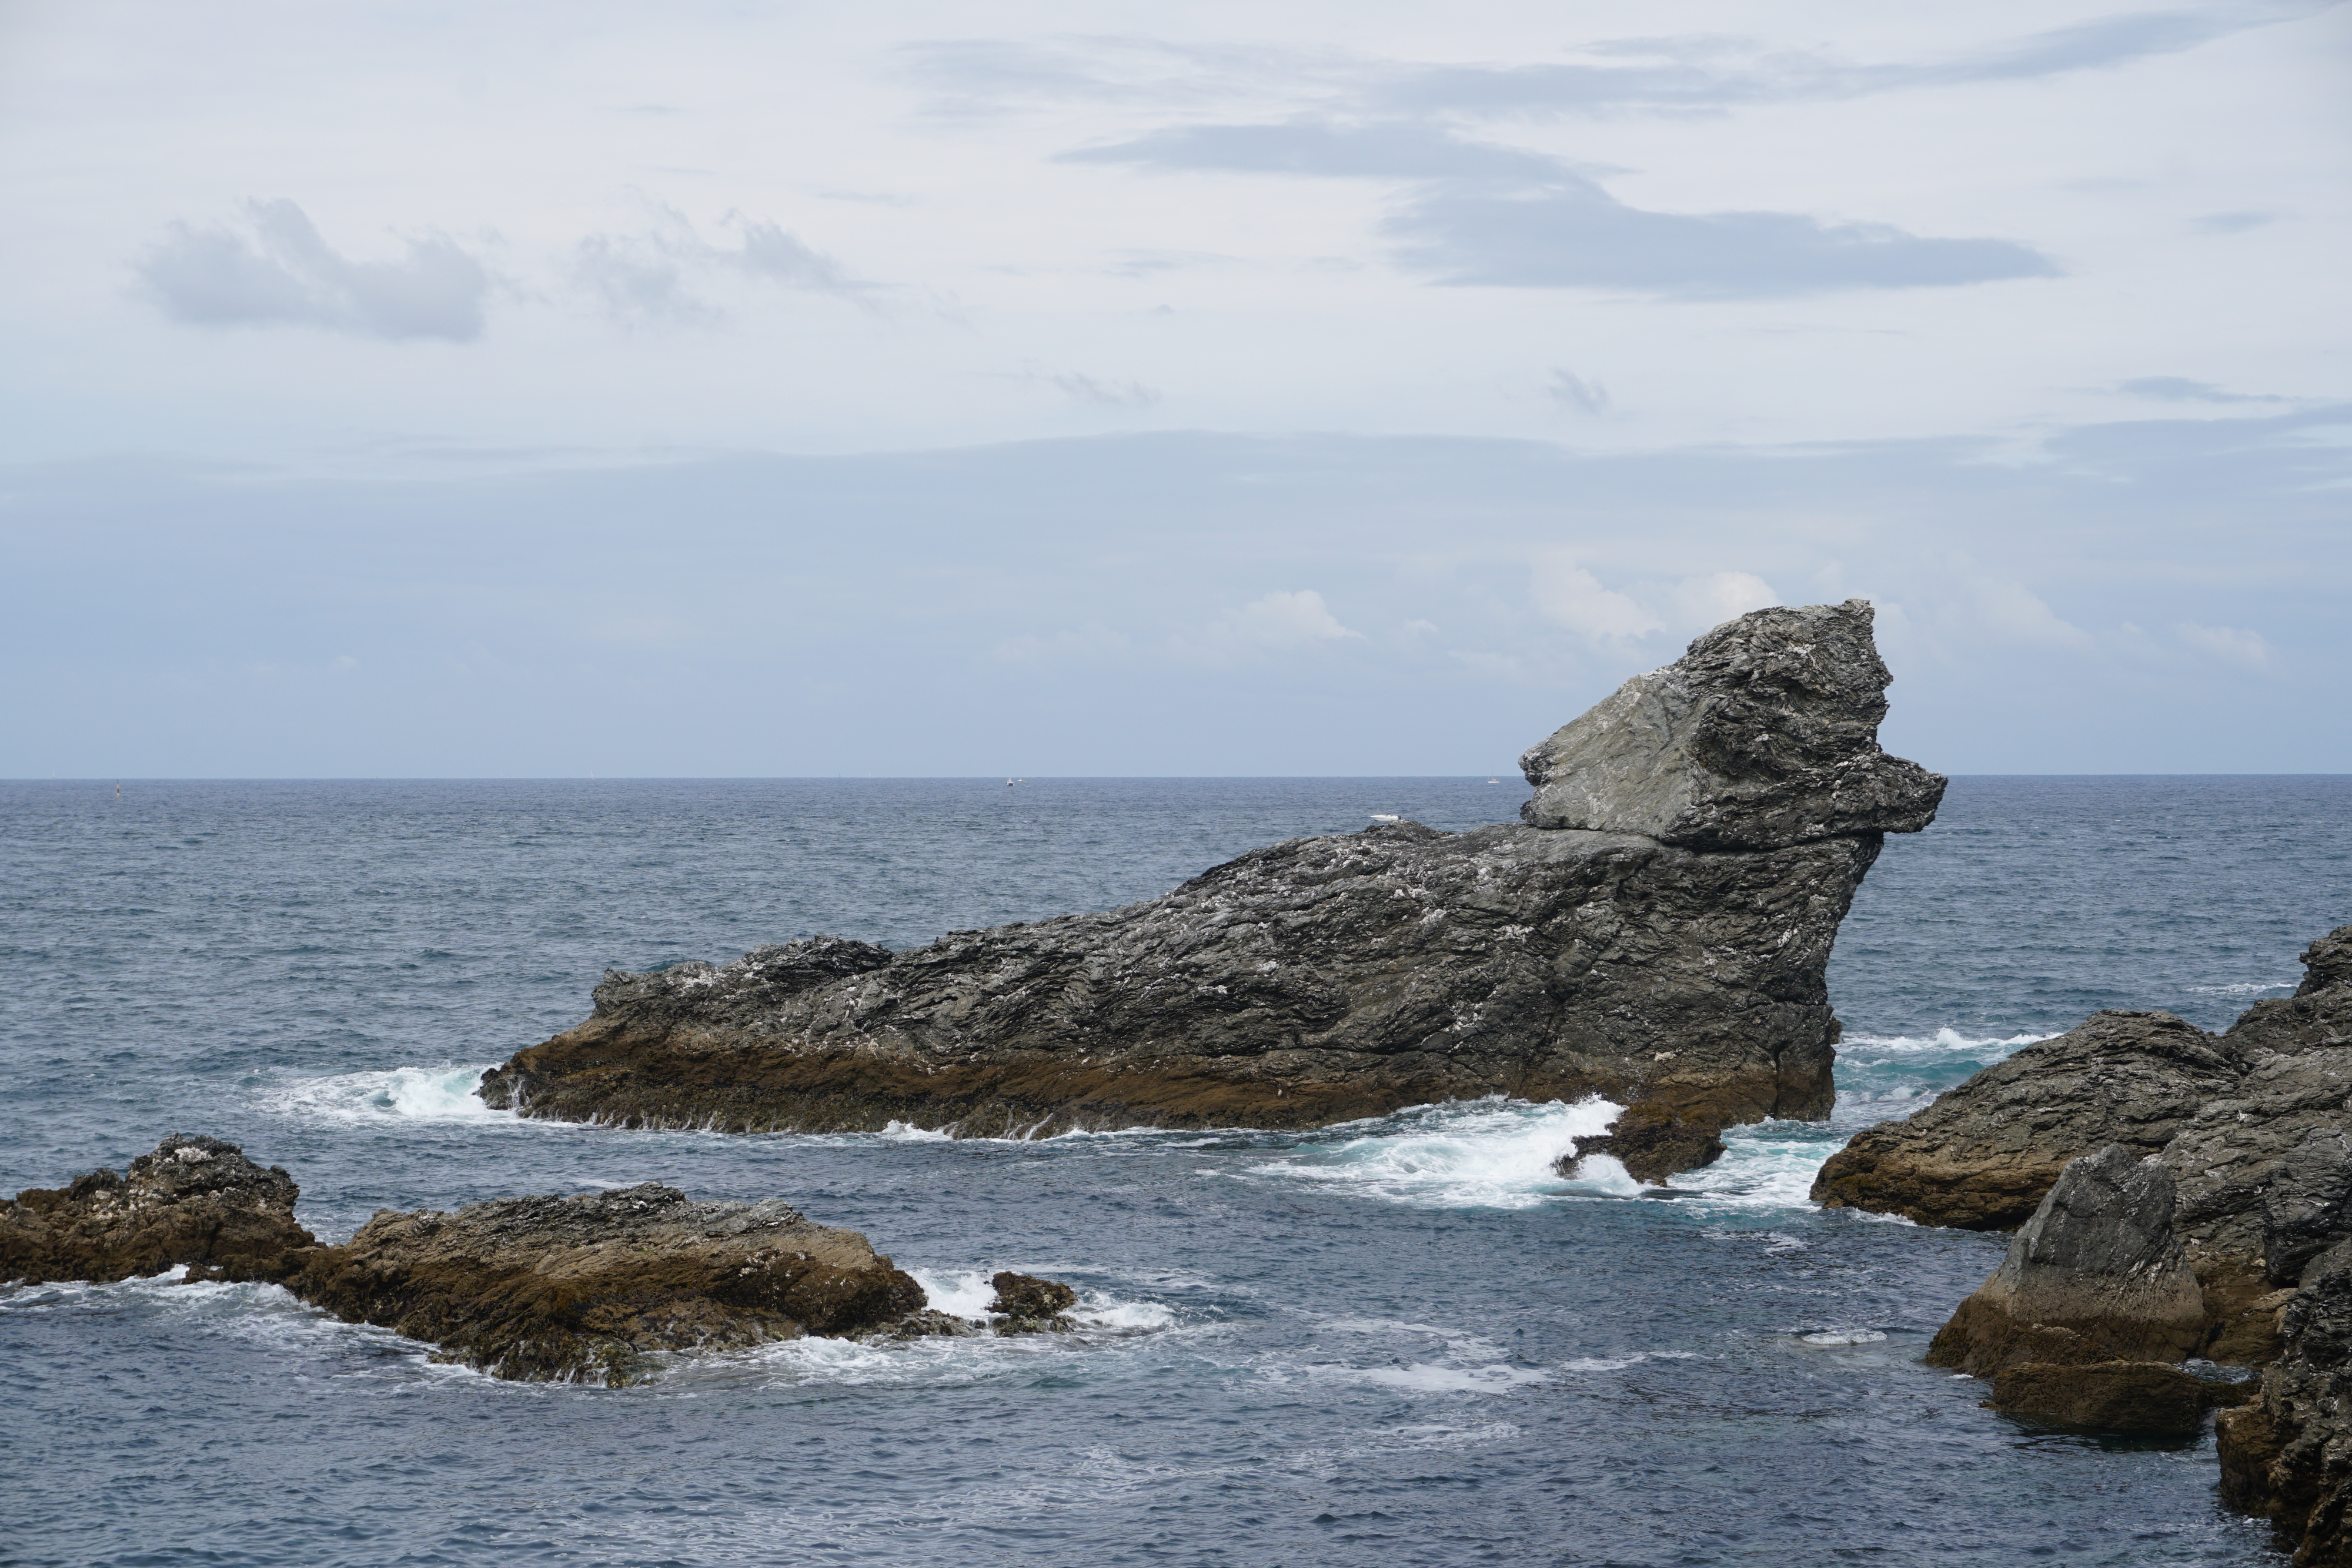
column 1764, row 735
column 2097, row 1275
column 1326, row 979
column 193, row 1200
column 1651, row 1142
column 2287, row 1456
column 1984, row 1154
column 588, row 1289
column 2138, row 1396
column 584, row 1288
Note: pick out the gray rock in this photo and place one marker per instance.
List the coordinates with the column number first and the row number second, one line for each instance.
column 1764, row 735
column 1984, row 1154
column 1326, row 979
column 2097, row 1275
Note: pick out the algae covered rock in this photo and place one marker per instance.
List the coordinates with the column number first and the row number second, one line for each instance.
column 193, row 1200
column 586, row 1289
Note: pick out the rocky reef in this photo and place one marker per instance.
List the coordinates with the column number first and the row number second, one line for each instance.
column 591, row 1288
column 2191, row 1199
column 1655, row 931
column 195, row 1201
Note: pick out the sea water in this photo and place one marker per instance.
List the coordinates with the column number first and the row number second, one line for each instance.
column 1398, row 1340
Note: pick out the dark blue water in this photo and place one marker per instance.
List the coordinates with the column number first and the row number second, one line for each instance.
column 1397, row 1342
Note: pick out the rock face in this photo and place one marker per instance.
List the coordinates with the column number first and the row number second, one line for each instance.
column 2097, row 1275
column 1764, row 735
column 193, row 1200
column 1326, row 979
column 2287, row 1456
column 2142, row 1396
column 582, row 1289
column 1983, row 1156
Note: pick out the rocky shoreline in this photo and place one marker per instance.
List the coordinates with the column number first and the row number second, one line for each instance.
column 1655, row 931
column 2184, row 1196
column 593, row 1288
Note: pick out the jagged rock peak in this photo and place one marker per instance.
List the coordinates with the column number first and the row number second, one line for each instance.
column 1765, row 733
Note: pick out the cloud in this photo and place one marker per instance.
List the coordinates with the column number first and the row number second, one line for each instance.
column 645, row 276
column 1571, row 596
column 2181, row 388
column 2230, row 223
column 2246, row 649
column 276, row 269
column 1480, row 214
column 1277, row 624
column 1709, row 601
column 1109, row 394
column 2014, row 612
column 1584, row 396
column 1711, row 74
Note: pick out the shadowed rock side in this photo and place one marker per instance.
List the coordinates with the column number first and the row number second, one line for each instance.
column 1326, row 979
column 2287, row 1456
column 587, row 1289
column 193, row 1200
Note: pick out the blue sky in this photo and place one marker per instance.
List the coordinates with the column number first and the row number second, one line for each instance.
column 719, row 390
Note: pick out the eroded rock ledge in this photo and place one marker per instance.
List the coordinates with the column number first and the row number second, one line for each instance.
column 591, row 1288
column 1664, row 949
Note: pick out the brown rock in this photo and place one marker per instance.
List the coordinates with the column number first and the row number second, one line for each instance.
column 2097, row 1275
column 1984, row 1154
column 586, row 1289
column 1651, row 1141
column 2144, row 1397
column 1031, row 1305
column 193, row 1200
column 2287, row 1456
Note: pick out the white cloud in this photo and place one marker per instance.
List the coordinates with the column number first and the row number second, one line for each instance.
column 1709, row 601
column 2246, row 649
column 276, row 269
column 1571, row 596
column 1277, row 624
column 1575, row 391
column 2011, row 610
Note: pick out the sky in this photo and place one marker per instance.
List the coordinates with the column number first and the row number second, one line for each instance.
column 1033, row 389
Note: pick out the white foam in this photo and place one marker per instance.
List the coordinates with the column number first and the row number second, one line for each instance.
column 444, row 1093
column 1842, row 1337
column 899, row 1132
column 1944, row 1039
column 966, row 1294
column 2244, row 989
column 1427, row 1378
column 1482, row 1154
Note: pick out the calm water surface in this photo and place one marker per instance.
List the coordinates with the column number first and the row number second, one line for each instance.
column 1399, row 1341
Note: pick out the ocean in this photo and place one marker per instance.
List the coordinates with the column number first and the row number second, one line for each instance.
column 1401, row 1341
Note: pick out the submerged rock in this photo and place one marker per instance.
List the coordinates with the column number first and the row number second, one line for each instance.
column 193, row 1200
column 1326, row 979
column 2133, row 1396
column 2097, row 1275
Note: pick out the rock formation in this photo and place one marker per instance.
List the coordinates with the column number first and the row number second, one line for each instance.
column 2287, row 1455
column 1665, row 950
column 588, row 1289
column 2251, row 1132
column 1984, row 1154
column 2097, row 1275
column 193, row 1200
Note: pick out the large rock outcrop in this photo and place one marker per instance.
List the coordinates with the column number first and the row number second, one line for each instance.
column 1984, row 1154
column 1326, row 979
column 193, row 1200
column 587, row 1289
